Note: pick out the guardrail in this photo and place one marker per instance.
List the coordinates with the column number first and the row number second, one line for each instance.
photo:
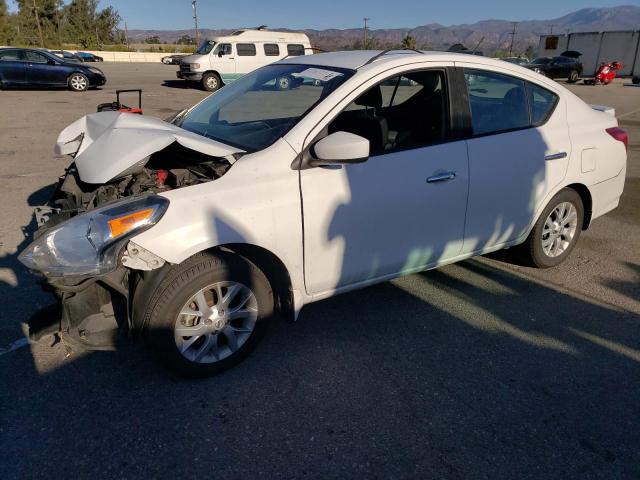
column 147, row 57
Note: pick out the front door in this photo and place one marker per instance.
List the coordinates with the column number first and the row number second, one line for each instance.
column 223, row 60
column 402, row 209
column 519, row 153
column 43, row 71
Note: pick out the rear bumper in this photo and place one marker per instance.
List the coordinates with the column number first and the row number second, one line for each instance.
column 194, row 76
column 606, row 195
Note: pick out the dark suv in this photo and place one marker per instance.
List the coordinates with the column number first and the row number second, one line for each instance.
column 24, row 67
column 562, row 66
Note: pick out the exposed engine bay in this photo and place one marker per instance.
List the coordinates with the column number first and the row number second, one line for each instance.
column 173, row 167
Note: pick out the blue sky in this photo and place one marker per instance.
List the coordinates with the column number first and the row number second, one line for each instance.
column 176, row 14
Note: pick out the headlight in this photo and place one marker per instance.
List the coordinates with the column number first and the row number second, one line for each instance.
column 88, row 244
column 96, row 70
column 194, row 66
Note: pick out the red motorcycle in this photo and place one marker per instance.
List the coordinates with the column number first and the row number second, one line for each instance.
column 605, row 74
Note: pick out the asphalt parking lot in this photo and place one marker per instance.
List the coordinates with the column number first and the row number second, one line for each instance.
column 476, row 370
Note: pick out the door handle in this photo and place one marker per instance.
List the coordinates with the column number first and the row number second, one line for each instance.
column 556, row 156
column 442, row 177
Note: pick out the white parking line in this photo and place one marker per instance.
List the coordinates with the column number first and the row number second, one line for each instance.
column 22, row 342
column 629, row 113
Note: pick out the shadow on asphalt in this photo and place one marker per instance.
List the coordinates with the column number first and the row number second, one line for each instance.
column 518, row 380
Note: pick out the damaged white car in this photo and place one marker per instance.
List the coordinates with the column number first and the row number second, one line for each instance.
column 193, row 234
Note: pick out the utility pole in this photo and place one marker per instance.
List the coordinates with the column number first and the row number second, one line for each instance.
column 365, row 32
column 513, row 36
column 551, row 29
column 195, row 19
column 35, row 11
column 126, row 35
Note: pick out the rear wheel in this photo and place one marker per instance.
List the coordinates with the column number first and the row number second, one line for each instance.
column 573, row 76
column 209, row 314
column 78, row 82
column 283, row 83
column 211, row 82
column 556, row 232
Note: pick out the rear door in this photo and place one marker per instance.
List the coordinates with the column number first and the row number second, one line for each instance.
column 12, row 67
column 42, row 70
column 518, row 154
column 248, row 57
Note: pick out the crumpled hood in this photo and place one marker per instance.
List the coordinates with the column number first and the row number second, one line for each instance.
column 109, row 145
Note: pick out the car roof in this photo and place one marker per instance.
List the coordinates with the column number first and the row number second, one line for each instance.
column 357, row 59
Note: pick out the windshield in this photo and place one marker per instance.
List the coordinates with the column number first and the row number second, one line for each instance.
column 260, row 107
column 206, row 47
column 542, row 60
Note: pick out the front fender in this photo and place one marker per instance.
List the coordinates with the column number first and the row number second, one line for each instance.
column 256, row 202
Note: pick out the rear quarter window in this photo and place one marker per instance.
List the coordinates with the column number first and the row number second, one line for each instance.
column 542, row 103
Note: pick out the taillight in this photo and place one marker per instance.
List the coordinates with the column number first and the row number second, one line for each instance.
column 620, row 135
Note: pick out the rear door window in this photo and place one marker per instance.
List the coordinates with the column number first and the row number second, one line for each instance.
column 10, row 55
column 271, row 49
column 246, row 49
column 498, row 102
column 294, row 49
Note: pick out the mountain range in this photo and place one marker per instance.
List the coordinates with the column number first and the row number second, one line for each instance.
column 487, row 35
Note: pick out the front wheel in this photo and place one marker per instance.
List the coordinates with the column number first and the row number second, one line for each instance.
column 556, row 232
column 211, row 82
column 78, row 82
column 209, row 314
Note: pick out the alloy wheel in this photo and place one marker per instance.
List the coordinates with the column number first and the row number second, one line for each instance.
column 215, row 322
column 559, row 229
column 78, row 82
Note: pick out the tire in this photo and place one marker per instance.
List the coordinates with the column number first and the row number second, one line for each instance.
column 78, row 82
column 539, row 250
column 635, row 80
column 219, row 342
column 573, row 76
column 283, row 83
column 211, row 82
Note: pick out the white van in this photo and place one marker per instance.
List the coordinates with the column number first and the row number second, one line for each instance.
column 224, row 59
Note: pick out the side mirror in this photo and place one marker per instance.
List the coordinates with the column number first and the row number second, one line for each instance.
column 339, row 148
column 51, row 62
column 220, row 54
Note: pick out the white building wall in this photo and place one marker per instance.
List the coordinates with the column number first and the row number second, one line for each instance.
column 619, row 46
column 598, row 47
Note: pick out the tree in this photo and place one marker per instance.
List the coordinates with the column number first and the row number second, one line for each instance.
column 83, row 24
column 155, row 39
column 409, row 42
column 5, row 28
column 186, row 40
column 36, row 20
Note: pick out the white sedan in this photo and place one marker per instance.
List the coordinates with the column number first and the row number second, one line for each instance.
column 193, row 234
